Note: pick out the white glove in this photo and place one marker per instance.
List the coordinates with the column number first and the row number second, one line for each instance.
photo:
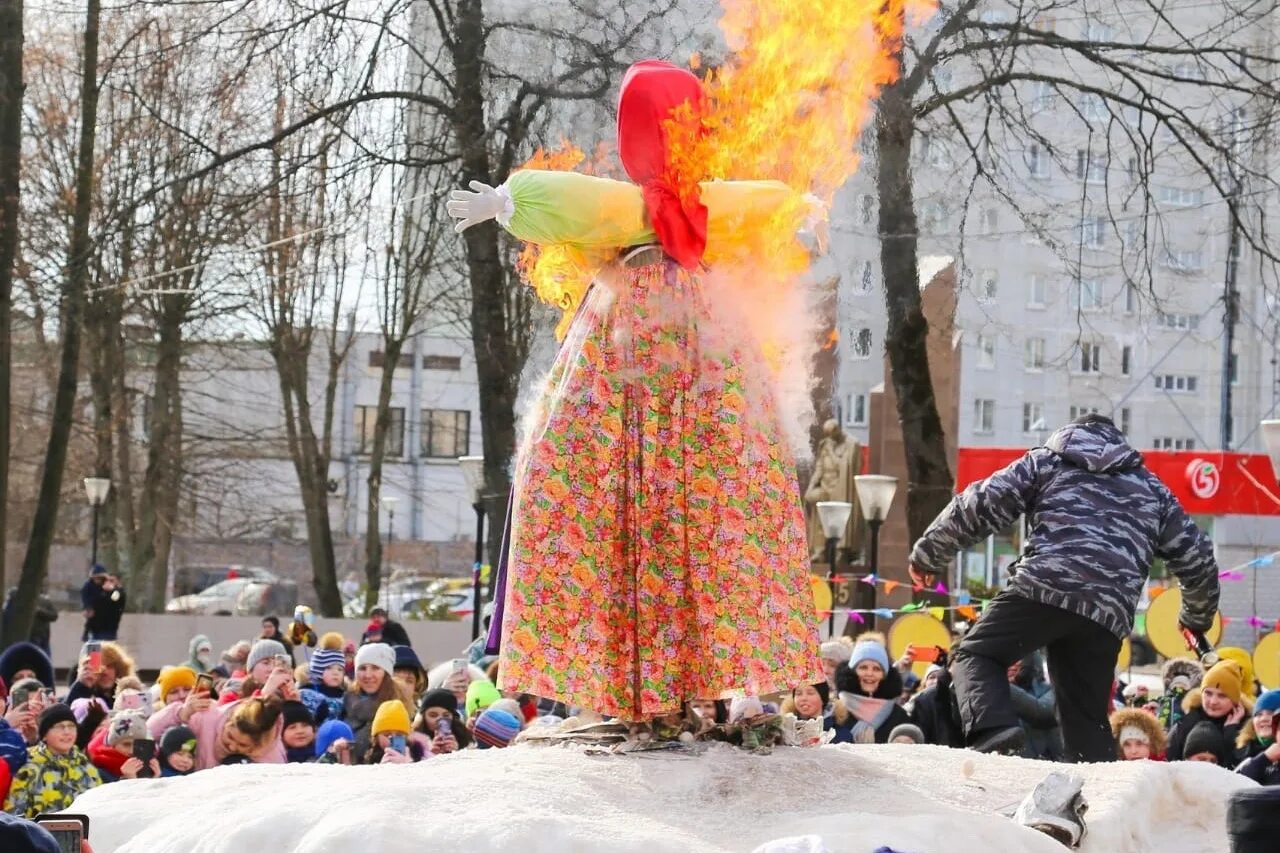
column 483, row 204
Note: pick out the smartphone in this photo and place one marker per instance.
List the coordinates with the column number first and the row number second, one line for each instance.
column 459, row 664
column 93, row 654
column 397, row 742
column 204, row 682
column 444, row 727
column 21, row 696
column 144, row 750
column 49, row 695
column 69, row 830
column 924, row 654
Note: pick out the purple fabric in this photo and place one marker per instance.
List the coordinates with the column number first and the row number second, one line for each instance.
column 494, row 639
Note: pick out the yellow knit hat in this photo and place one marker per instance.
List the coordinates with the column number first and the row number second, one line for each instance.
column 1225, row 675
column 331, row 640
column 392, row 718
column 173, row 677
column 1245, row 661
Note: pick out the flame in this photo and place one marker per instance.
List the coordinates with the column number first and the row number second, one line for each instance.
column 789, row 104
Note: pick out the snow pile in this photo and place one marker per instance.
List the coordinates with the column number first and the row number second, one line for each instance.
column 913, row 799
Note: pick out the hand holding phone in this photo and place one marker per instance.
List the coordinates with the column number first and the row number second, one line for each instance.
column 398, row 743
column 144, row 749
column 71, row 831
column 923, row 654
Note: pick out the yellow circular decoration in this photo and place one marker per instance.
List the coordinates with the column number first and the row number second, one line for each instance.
column 1162, row 625
column 1122, row 659
column 1266, row 660
column 918, row 629
column 821, row 593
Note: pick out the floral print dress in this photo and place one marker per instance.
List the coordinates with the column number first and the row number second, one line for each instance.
column 656, row 551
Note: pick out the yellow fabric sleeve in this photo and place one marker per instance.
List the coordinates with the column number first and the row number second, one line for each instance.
column 581, row 210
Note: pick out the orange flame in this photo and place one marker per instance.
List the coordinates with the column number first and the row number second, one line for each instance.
column 789, row 104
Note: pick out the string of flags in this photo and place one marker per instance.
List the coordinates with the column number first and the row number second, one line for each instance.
column 964, row 605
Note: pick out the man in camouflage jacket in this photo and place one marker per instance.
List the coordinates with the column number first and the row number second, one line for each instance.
column 1096, row 517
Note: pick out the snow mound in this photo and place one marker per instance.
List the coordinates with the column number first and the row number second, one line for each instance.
column 913, row 799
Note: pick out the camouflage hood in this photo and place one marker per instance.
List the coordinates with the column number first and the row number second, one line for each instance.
column 1099, row 448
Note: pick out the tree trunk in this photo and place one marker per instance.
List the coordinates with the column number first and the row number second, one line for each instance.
column 497, row 367
column 929, row 481
column 392, row 347
column 36, row 562
column 160, row 493
column 11, row 87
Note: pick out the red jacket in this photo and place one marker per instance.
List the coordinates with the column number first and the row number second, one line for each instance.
column 105, row 758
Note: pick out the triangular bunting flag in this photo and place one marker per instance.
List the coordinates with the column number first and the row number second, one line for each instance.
column 907, row 608
column 938, row 613
column 962, row 597
column 940, row 589
column 857, row 617
column 890, row 586
column 884, row 612
column 967, row 612
column 870, row 579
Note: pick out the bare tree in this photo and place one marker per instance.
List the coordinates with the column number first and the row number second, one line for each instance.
column 1150, row 87
column 11, row 87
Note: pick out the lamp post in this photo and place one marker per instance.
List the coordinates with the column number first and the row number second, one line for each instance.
column 875, row 494
column 389, row 504
column 473, row 470
column 834, row 517
column 97, row 488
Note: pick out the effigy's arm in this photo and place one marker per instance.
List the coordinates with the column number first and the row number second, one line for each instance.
column 569, row 208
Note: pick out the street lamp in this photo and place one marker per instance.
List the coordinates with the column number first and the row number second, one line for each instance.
column 875, row 494
column 473, row 470
column 389, row 504
column 834, row 517
column 1271, row 438
column 97, row 488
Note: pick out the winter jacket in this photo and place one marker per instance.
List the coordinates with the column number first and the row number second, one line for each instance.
column 80, row 691
column 192, row 661
column 46, row 614
column 1169, row 708
column 392, row 633
column 22, row 656
column 842, row 721
column 358, row 711
column 324, row 703
column 1035, row 704
column 106, row 609
column 935, row 712
column 109, row 760
column 208, row 726
column 1195, row 714
column 1260, row 769
column 1096, row 517
column 49, row 782
column 13, row 746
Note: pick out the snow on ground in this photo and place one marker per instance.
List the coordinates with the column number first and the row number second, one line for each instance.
column 913, row 799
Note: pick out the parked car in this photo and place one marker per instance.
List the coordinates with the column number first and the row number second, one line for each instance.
column 418, row 598
column 188, row 580
column 240, row 596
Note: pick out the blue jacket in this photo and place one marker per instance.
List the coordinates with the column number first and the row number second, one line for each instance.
column 13, row 747
column 1260, row 769
column 1096, row 518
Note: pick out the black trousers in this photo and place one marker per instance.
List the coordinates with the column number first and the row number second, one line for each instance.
column 1082, row 660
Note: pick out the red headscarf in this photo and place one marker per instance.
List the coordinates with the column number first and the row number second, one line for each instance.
column 651, row 90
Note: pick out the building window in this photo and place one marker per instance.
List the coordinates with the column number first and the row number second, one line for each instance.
column 446, row 433
column 866, row 208
column 1090, row 358
column 441, row 362
column 1080, row 411
column 862, row 344
column 1124, row 420
column 858, row 410
column 984, row 416
column 1130, row 297
column 987, row 285
column 1166, row 443
column 1098, row 32
column 1042, row 95
column 867, row 277
column 1090, row 169
column 1034, row 356
column 1184, row 261
column 366, row 422
column 1037, row 291
column 1180, row 197
column 1093, row 107
column 934, row 218
column 1176, row 383
column 1177, row 321
column 1032, row 417
column 990, row 221
column 1038, row 161
column 377, row 358
column 1093, row 232
column 1126, row 360
column 1188, row 70
column 1089, row 294
column 986, row 352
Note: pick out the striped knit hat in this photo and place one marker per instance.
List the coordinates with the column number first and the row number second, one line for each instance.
column 322, row 659
column 495, row 728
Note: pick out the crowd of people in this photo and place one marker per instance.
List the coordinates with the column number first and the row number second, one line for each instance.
column 1221, row 716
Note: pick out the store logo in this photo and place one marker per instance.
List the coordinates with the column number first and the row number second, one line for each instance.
column 1203, row 478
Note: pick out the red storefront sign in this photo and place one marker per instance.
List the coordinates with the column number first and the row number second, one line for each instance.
column 1206, row 483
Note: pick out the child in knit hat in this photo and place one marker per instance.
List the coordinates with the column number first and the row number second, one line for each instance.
column 1258, row 744
column 480, row 695
column 1206, row 743
column 808, row 702
column 299, row 733
column 495, row 729
column 409, row 672
column 56, row 771
column 333, row 743
column 438, row 719
column 907, row 733
column 323, row 695
column 111, row 749
column 391, row 742
column 1138, row 735
column 175, row 683
column 177, row 751
column 1216, row 701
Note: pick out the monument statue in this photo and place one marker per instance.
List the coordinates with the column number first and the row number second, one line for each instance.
column 837, row 461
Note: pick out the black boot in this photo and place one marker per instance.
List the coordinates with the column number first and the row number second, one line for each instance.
column 1006, row 741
